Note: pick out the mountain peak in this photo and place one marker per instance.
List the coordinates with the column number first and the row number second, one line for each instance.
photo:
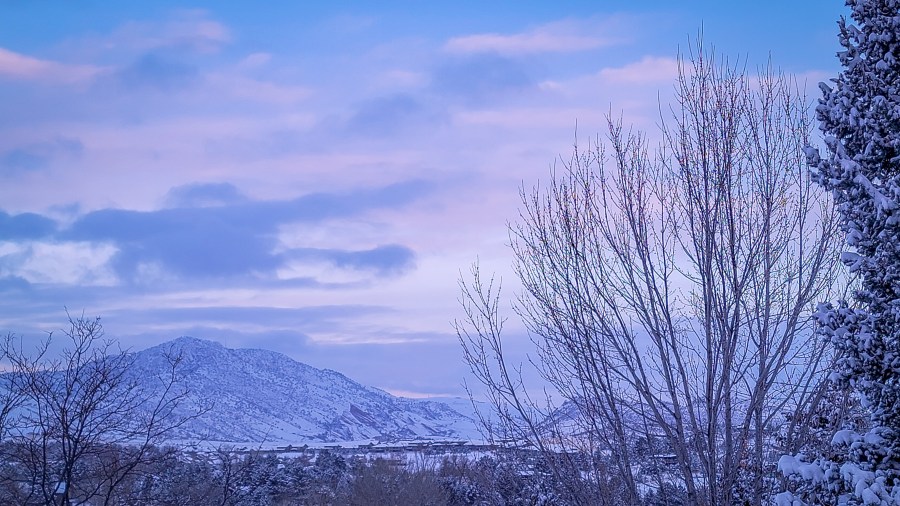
column 265, row 396
column 194, row 341
column 183, row 344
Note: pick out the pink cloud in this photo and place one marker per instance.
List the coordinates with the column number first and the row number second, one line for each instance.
column 192, row 30
column 557, row 37
column 254, row 60
column 650, row 69
column 246, row 88
column 19, row 66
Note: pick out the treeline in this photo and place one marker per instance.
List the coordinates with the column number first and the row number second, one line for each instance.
column 170, row 477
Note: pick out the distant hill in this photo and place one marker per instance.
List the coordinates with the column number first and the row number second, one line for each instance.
column 264, row 396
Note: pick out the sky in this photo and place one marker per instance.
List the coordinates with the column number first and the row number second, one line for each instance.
column 313, row 177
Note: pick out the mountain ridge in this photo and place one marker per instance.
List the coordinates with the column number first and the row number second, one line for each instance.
column 259, row 396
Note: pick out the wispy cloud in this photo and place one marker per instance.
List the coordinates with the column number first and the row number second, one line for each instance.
column 254, row 61
column 649, row 69
column 38, row 155
column 203, row 195
column 23, row 67
column 384, row 260
column 309, row 318
column 255, row 90
column 558, row 37
column 186, row 30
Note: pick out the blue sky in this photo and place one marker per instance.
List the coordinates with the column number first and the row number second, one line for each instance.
column 312, row 177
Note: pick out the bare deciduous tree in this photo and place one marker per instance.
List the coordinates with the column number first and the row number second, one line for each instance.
column 86, row 423
column 668, row 295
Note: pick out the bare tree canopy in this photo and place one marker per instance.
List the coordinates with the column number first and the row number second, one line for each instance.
column 668, row 294
column 80, row 425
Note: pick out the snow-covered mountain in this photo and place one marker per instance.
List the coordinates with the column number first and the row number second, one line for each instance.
column 263, row 396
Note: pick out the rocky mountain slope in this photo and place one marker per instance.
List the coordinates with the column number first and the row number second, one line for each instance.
column 264, row 396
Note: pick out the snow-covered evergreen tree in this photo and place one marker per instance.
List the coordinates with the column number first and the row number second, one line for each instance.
column 860, row 117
